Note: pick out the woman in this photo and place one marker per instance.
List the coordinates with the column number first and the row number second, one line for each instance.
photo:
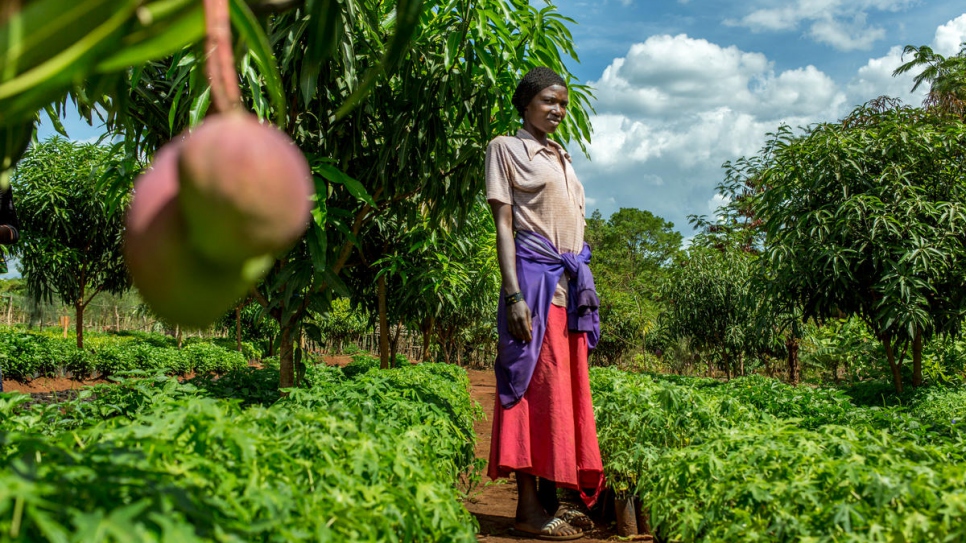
column 543, row 423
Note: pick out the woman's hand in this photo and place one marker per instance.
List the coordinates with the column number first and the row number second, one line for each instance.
column 518, row 321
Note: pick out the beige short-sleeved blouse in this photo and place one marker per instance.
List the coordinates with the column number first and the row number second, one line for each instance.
column 541, row 185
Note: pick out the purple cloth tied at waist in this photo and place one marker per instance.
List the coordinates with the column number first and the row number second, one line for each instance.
column 539, row 267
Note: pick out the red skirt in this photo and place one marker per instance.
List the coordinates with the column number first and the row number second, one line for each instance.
column 551, row 431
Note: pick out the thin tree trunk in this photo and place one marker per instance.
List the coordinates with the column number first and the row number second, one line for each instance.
column 238, row 327
column 428, row 325
column 394, row 347
column 9, row 310
column 741, row 365
column 286, row 358
column 79, row 310
column 179, row 335
column 794, row 376
column 117, row 319
column 893, row 365
column 383, row 324
column 917, row 359
column 727, row 365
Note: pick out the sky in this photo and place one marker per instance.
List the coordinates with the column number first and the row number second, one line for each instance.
column 682, row 86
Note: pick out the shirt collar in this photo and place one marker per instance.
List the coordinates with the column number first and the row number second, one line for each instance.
column 533, row 146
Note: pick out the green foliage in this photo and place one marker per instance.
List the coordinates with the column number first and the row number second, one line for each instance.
column 71, row 238
column 361, row 363
column 341, row 324
column 632, row 251
column 710, row 300
column 369, row 459
column 756, row 460
column 866, row 217
column 25, row 354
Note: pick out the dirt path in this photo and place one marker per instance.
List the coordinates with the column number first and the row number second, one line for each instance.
column 494, row 503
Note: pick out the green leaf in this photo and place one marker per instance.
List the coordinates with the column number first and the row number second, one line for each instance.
column 162, row 37
column 261, row 50
column 335, row 175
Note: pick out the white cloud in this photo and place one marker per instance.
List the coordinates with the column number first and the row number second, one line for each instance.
column 842, row 24
column 875, row 79
column 674, row 109
column 950, row 36
column 717, row 202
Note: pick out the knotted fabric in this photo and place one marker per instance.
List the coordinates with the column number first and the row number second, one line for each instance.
column 539, row 267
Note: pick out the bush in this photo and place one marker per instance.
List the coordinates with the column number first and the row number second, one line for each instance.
column 368, row 459
column 757, row 460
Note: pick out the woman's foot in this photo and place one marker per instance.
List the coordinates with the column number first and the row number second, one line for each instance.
column 554, row 529
column 532, row 519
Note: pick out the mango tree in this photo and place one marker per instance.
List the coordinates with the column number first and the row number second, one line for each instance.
column 867, row 217
column 418, row 136
column 70, row 237
column 707, row 299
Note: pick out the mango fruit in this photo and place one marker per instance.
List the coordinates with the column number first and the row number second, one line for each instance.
column 245, row 188
column 211, row 213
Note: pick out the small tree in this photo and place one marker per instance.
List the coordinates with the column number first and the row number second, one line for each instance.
column 70, row 237
column 867, row 217
column 708, row 300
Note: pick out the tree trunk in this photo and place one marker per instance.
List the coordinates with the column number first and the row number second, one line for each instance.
column 394, row 347
column 286, row 358
column 893, row 365
column 117, row 319
column 710, row 367
column 9, row 310
column 383, row 324
column 917, row 359
column 741, row 365
column 238, row 327
column 727, row 366
column 428, row 325
column 79, row 310
column 179, row 335
column 794, row 375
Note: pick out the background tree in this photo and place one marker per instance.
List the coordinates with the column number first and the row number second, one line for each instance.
column 867, row 217
column 71, row 238
column 416, row 142
column 708, row 300
column 632, row 251
column 946, row 77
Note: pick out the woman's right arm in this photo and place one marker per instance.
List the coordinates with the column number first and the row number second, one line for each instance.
column 518, row 314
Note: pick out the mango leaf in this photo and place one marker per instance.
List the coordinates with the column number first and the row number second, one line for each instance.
column 261, row 51
column 159, row 39
column 335, row 175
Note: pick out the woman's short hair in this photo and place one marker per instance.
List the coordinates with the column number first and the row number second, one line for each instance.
column 535, row 81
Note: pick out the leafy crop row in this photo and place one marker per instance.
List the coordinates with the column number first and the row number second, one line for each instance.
column 24, row 355
column 757, row 460
column 372, row 458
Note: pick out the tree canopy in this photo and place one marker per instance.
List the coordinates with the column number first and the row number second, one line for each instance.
column 70, row 237
column 867, row 217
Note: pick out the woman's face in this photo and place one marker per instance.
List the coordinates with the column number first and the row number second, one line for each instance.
column 546, row 111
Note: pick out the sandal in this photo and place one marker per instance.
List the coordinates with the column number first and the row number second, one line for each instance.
column 550, row 531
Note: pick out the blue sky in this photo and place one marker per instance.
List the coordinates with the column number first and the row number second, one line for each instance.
column 684, row 85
